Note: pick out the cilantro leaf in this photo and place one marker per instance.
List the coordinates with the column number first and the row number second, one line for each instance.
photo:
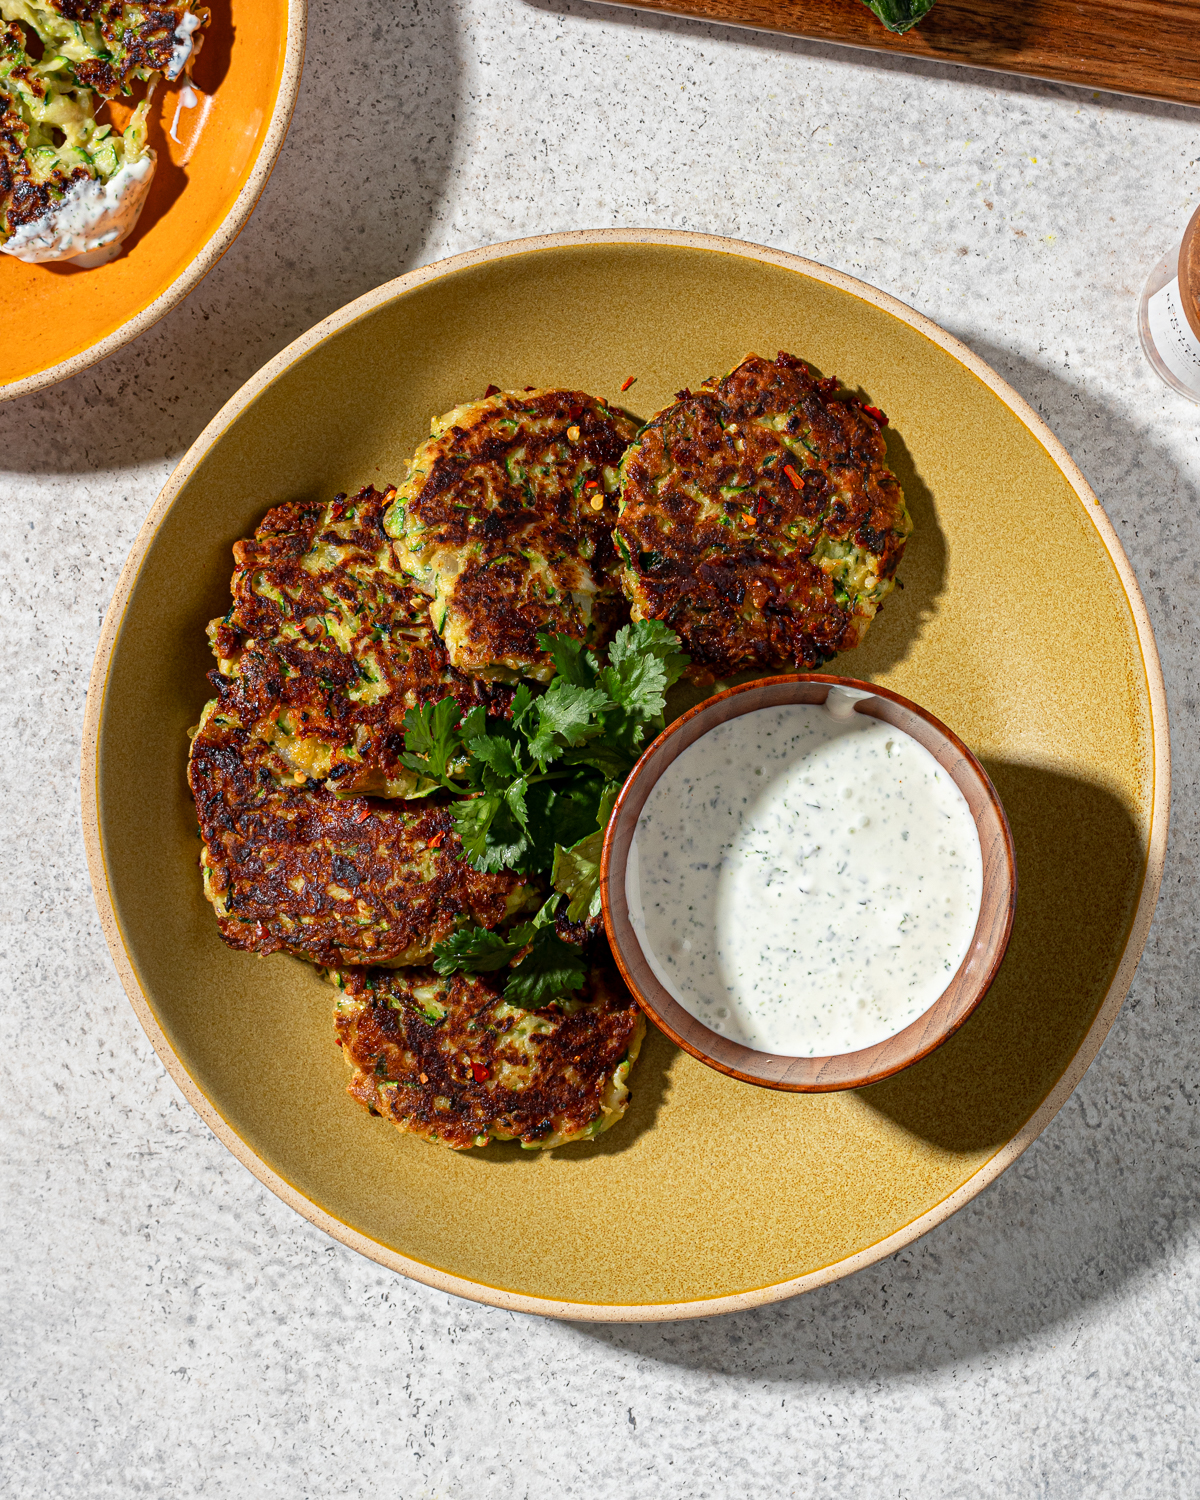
column 432, row 740
column 561, row 811
column 521, row 709
column 551, row 968
column 573, row 664
column 567, row 716
column 649, row 638
column 577, row 875
column 474, row 949
column 491, row 833
column 500, row 755
column 610, row 759
column 576, row 871
column 639, row 685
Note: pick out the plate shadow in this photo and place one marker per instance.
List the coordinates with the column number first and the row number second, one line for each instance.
column 1109, row 1191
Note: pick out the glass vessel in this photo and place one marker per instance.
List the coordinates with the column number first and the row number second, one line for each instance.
column 1169, row 315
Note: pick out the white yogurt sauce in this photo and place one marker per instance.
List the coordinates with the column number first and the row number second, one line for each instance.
column 92, row 219
column 184, row 46
column 805, row 880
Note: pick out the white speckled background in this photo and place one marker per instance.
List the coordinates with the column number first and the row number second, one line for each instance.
column 168, row 1328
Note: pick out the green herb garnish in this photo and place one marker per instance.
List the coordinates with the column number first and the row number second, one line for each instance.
column 534, row 792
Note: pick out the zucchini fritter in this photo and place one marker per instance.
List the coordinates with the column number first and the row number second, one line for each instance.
column 331, row 645
column 299, row 870
column 505, row 520
column 759, row 520
column 111, row 44
column 70, row 188
column 451, row 1060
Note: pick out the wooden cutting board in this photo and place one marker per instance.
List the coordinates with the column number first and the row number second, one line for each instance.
column 1145, row 47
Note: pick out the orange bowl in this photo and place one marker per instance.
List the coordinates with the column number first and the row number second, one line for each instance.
column 213, row 162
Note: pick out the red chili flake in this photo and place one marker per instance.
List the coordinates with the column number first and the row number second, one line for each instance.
column 797, row 482
column 591, row 484
column 437, row 839
column 362, row 815
column 492, row 390
column 629, row 382
column 880, row 416
column 760, row 508
column 479, row 1072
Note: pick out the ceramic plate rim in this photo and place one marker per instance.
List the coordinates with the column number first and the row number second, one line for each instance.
column 217, row 243
column 1139, row 927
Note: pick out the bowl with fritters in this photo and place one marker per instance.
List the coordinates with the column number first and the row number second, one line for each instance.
column 214, row 159
column 708, row 1194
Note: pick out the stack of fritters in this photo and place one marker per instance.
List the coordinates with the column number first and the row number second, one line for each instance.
column 757, row 519
column 326, row 647
column 760, row 521
column 453, row 1061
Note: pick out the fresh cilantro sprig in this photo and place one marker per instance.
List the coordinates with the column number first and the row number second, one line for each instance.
column 576, row 870
column 534, row 792
column 547, row 968
column 518, row 780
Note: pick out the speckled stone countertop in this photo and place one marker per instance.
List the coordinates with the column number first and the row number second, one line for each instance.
column 168, row 1328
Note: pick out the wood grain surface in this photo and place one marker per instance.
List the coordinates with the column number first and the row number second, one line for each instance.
column 1145, row 47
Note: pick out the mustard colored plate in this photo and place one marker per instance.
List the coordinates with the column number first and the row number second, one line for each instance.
column 1020, row 626
column 55, row 320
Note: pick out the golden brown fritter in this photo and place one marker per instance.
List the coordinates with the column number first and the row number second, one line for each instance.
column 505, row 520
column 451, row 1060
column 335, row 881
column 110, row 44
column 759, row 520
column 332, row 645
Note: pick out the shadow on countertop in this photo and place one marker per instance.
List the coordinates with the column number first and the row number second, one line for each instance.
column 1110, row 1189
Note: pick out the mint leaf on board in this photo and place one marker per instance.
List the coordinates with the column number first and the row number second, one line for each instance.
column 900, row 15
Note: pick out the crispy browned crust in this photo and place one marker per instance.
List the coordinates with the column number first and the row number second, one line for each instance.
column 138, row 38
column 472, row 1075
column 335, row 881
column 22, row 200
column 501, row 484
column 343, row 695
column 722, row 543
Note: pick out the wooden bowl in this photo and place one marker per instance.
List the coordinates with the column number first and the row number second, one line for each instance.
column 213, row 163
column 847, row 1070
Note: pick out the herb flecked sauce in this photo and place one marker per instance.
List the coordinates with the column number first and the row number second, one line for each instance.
column 805, row 880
